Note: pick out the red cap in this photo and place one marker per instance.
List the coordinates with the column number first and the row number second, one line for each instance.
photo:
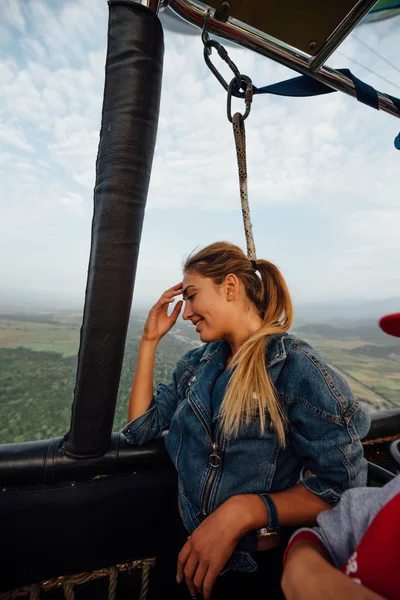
column 391, row 324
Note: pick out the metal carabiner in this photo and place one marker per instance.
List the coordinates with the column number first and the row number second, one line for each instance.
column 209, row 44
column 248, row 96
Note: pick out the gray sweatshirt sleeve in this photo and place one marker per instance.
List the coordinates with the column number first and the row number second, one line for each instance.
column 341, row 528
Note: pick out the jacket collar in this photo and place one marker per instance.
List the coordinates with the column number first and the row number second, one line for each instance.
column 275, row 349
column 214, row 348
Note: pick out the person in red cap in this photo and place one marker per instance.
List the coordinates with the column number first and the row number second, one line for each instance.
column 391, row 324
column 354, row 552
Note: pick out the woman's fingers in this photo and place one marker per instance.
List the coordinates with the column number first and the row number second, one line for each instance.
column 161, row 309
column 175, row 313
column 169, row 296
column 162, row 305
column 208, row 582
column 189, row 571
column 158, row 321
column 174, row 291
column 199, row 576
column 182, row 558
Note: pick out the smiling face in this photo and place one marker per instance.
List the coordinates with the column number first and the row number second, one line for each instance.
column 208, row 306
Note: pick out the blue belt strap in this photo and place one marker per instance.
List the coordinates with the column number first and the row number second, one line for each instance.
column 304, row 85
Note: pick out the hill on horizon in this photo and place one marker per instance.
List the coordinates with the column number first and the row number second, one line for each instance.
column 344, row 313
column 367, row 331
column 335, row 313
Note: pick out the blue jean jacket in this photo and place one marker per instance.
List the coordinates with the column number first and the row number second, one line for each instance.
column 323, row 448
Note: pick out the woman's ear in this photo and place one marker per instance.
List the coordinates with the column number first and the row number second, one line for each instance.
column 232, row 285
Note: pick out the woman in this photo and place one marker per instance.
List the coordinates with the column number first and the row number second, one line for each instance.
column 263, row 433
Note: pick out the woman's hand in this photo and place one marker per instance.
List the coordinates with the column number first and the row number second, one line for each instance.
column 207, row 550
column 158, row 322
column 308, row 576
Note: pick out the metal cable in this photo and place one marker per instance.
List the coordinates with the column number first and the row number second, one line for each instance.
column 368, row 69
column 376, row 53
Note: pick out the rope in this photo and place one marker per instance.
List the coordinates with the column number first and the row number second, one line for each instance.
column 112, row 588
column 69, row 591
column 145, row 581
column 34, row 592
column 68, row 582
column 239, row 134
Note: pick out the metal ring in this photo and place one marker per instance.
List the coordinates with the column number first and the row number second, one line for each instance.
column 248, row 96
column 214, row 460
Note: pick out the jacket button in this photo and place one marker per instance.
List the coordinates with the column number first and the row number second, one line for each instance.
column 194, row 378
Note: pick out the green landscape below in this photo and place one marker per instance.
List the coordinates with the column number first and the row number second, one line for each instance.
column 38, row 358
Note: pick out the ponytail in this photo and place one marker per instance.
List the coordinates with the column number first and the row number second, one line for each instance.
column 250, row 392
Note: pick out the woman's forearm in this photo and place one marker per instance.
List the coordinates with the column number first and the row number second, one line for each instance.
column 296, row 507
column 142, row 386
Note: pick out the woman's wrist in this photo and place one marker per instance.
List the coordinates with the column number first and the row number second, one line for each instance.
column 249, row 512
column 148, row 342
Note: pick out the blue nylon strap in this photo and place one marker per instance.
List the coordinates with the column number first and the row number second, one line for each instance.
column 304, row 86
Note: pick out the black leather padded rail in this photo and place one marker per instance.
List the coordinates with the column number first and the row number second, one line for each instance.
column 127, row 140
column 45, row 462
column 384, row 424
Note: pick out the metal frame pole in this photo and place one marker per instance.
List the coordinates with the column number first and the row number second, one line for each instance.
column 194, row 13
column 361, row 9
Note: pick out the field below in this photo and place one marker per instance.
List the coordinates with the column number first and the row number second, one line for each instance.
column 38, row 356
column 61, row 337
column 375, row 381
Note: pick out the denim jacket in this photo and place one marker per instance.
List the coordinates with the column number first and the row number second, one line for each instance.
column 323, row 448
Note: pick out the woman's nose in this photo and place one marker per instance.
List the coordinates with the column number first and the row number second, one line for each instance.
column 187, row 313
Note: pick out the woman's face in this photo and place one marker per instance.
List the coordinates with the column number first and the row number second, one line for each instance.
column 208, row 307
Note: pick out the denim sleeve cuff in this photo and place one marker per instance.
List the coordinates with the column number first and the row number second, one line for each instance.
column 272, row 524
column 321, row 489
column 136, row 432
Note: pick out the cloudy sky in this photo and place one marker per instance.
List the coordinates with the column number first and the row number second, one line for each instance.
column 323, row 173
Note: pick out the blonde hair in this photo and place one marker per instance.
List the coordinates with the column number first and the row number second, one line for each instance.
column 250, row 391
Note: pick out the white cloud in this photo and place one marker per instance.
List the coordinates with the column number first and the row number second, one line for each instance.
column 323, row 174
column 11, row 14
column 14, row 137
